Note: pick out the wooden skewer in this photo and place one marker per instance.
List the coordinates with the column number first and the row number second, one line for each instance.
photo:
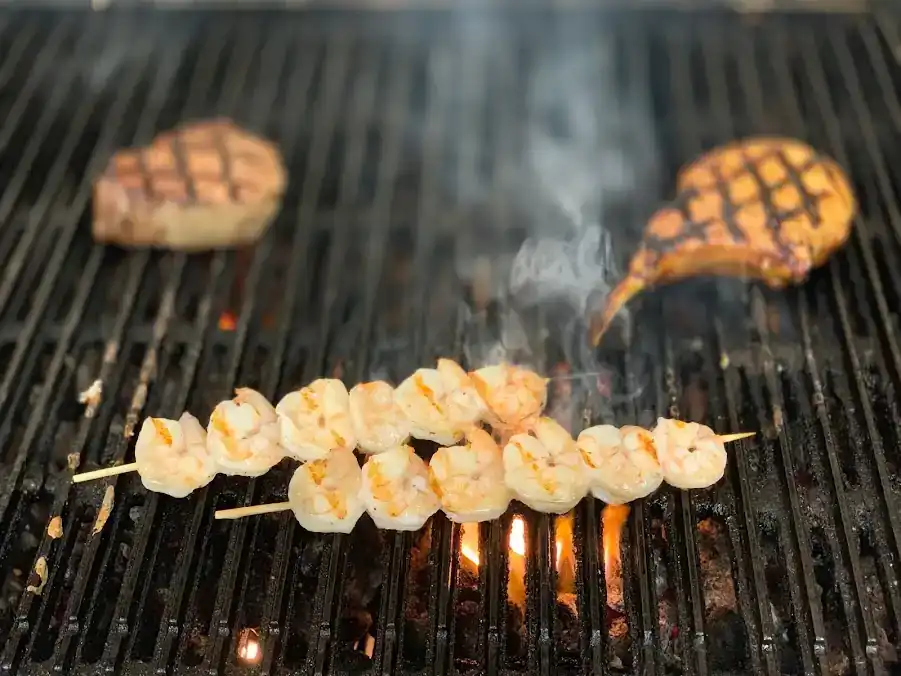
column 726, row 438
column 253, row 510
column 105, row 472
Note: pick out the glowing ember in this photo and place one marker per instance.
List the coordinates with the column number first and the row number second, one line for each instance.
column 250, row 650
column 366, row 645
column 227, row 321
column 613, row 519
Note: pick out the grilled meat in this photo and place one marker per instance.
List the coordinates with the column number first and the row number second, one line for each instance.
column 770, row 209
column 204, row 185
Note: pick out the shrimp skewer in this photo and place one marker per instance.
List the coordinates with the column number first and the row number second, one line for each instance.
column 544, row 468
column 379, row 424
column 469, row 479
column 396, row 490
column 514, row 396
column 621, row 462
column 325, row 494
column 315, row 420
column 243, row 434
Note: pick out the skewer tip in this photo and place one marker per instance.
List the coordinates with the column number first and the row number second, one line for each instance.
column 726, row 438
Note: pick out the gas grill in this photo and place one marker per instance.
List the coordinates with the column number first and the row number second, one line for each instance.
column 423, row 149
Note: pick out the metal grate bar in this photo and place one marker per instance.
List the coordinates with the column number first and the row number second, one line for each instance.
column 772, row 389
column 112, row 371
column 111, row 374
column 271, row 625
column 272, row 61
column 364, row 100
column 443, row 559
column 24, row 610
column 684, row 506
column 644, row 619
column 237, row 64
column 273, row 64
column 889, row 536
column 37, row 416
column 34, row 318
column 818, row 83
column 169, row 627
column 43, row 295
column 323, row 119
column 717, row 79
column 851, row 602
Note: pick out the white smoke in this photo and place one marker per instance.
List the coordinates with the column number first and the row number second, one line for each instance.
column 589, row 156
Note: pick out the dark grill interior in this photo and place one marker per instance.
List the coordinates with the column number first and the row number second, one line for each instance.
column 410, row 141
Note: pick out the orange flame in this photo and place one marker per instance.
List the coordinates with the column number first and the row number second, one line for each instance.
column 613, row 518
column 227, row 321
column 516, row 590
column 469, row 540
column 566, row 559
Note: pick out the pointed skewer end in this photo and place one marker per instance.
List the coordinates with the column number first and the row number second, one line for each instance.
column 726, row 438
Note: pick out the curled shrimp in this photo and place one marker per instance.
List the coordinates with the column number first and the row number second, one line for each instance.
column 315, row 420
column 396, row 490
column 325, row 494
column 622, row 462
column 544, row 468
column 690, row 454
column 378, row 422
column 243, row 434
column 172, row 456
column 463, row 397
column 469, row 479
column 514, row 396
column 441, row 404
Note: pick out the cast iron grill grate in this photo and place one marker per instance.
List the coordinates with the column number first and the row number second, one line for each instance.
column 405, row 137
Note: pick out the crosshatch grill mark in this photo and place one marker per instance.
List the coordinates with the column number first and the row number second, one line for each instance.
column 810, row 202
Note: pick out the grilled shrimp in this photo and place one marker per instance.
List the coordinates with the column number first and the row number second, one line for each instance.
column 325, row 494
column 396, row 490
column 514, row 396
column 544, row 468
column 172, row 456
column 315, row 420
column 378, row 422
column 622, row 462
column 469, row 479
column 441, row 404
column 691, row 455
column 463, row 397
column 243, row 434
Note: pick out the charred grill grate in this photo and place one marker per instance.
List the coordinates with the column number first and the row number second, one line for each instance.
column 404, row 137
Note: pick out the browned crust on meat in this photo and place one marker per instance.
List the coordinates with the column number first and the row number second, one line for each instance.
column 175, row 191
